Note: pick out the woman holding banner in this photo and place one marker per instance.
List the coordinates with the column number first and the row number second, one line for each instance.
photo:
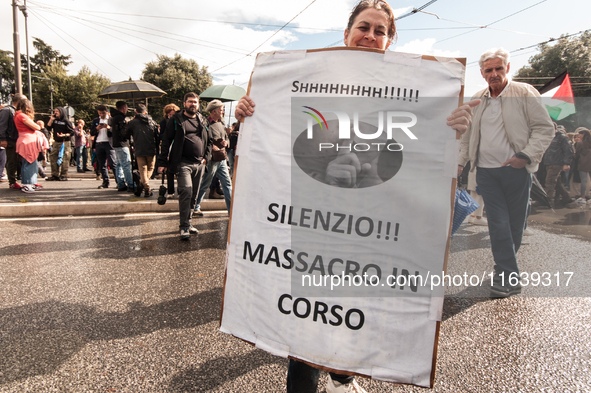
column 371, row 25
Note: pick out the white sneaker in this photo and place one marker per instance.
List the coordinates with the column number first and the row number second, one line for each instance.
column 478, row 221
column 581, row 201
column 27, row 189
column 337, row 387
column 528, row 232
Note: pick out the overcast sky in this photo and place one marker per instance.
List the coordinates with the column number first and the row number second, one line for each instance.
column 117, row 38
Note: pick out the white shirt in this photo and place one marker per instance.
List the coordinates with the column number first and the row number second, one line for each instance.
column 494, row 148
column 102, row 134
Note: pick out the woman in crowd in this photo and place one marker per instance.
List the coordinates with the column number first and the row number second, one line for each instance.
column 370, row 25
column 29, row 144
column 168, row 111
column 583, row 157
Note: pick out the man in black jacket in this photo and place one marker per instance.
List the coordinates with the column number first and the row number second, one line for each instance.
column 103, row 144
column 63, row 130
column 8, row 137
column 145, row 139
column 557, row 158
column 186, row 149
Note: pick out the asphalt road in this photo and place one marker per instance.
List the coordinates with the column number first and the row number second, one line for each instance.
column 119, row 304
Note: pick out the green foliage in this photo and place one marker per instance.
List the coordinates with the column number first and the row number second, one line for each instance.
column 6, row 75
column 78, row 91
column 45, row 57
column 176, row 76
column 572, row 54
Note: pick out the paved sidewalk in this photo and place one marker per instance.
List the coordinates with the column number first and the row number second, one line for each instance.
column 80, row 196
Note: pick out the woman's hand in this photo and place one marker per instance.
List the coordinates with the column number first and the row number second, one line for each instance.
column 461, row 117
column 244, row 108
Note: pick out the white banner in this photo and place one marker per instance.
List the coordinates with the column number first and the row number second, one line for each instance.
column 341, row 210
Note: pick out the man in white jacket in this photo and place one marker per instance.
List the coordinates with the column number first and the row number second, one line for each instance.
column 509, row 133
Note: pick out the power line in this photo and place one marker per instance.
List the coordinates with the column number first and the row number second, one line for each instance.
column 412, row 12
column 116, row 29
column 49, row 27
column 477, row 26
column 415, row 10
column 131, row 43
column 541, row 43
column 492, row 23
column 197, row 20
column 176, row 38
column 313, row 1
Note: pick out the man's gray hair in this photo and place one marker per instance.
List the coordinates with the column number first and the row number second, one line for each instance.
column 494, row 53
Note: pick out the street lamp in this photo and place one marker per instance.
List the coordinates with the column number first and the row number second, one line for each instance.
column 50, row 88
column 23, row 9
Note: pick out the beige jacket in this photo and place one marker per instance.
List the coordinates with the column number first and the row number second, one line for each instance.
column 527, row 123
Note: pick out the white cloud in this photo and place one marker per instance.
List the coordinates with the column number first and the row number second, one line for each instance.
column 425, row 47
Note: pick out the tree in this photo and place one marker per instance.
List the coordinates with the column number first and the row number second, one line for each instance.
column 176, row 76
column 46, row 56
column 572, row 54
column 6, row 75
column 79, row 91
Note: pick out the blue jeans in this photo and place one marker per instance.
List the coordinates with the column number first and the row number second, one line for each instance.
column 2, row 161
column 123, row 170
column 505, row 192
column 302, row 378
column 81, row 157
column 29, row 172
column 221, row 169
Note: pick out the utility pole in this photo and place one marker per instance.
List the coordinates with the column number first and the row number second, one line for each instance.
column 18, row 80
column 23, row 9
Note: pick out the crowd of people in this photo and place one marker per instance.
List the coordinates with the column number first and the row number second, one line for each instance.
column 125, row 145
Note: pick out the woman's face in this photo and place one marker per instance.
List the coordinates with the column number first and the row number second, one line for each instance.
column 369, row 30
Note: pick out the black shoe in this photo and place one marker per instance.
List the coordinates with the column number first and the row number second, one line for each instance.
column 129, row 189
column 53, row 178
column 63, row 178
column 498, row 291
column 104, row 185
column 121, row 189
column 219, row 191
column 137, row 183
column 79, row 170
column 87, row 170
column 148, row 193
column 502, row 287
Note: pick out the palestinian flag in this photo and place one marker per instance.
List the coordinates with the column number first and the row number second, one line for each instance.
column 558, row 97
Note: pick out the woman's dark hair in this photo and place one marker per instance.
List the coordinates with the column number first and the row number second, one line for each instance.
column 380, row 5
column 26, row 107
column 586, row 135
